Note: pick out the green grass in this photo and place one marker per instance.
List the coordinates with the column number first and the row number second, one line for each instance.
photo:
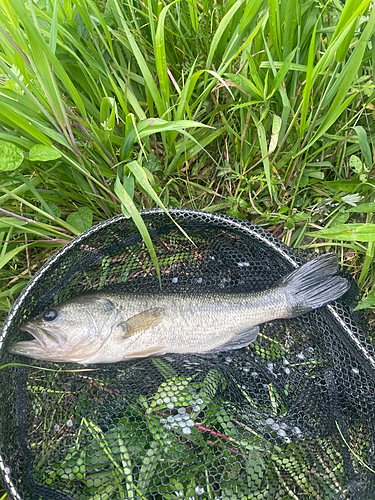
column 261, row 110
column 262, row 114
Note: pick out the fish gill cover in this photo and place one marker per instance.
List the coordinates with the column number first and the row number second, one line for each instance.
column 291, row 416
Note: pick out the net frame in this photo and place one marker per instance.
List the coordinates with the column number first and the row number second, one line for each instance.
column 364, row 350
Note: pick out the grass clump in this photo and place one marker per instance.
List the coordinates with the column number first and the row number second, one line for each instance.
column 259, row 109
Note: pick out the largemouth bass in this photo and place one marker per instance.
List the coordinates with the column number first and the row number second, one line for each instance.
column 105, row 327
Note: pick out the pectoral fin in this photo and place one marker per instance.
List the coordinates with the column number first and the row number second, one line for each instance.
column 239, row 340
column 142, row 321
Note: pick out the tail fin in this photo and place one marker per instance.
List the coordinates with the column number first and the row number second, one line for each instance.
column 313, row 285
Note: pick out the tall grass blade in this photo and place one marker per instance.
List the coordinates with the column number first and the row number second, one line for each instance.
column 193, row 10
column 12, row 253
column 44, row 59
column 308, row 85
column 142, row 178
column 348, row 76
column 221, row 30
column 160, row 56
column 353, row 9
column 369, row 258
column 53, row 37
column 135, row 215
column 250, row 11
column 291, row 22
column 364, row 145
column 274, row 25
column 266, row 162
column 130, row 40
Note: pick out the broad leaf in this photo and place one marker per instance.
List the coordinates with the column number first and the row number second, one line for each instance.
column 81, row 220
column 348, row 232
column 368, row 301
column 40, row 152
column 344, row 185
column 363, row 208
column 11, row 156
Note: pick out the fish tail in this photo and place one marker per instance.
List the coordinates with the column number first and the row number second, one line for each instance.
column 313, row 285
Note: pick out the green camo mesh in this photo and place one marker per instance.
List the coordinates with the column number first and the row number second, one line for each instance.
column 291, row 416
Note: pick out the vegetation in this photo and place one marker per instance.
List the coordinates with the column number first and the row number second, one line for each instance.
column 261, row 110
column 263, row 113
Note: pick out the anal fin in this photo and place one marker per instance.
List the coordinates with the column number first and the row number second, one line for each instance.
column 238, row 340
column 151, row 351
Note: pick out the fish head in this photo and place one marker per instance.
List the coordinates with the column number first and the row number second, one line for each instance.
column 69, row 331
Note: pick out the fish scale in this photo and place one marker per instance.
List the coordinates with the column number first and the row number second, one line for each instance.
column 107, row 327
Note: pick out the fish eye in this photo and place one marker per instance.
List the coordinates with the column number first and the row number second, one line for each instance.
column 50, row 315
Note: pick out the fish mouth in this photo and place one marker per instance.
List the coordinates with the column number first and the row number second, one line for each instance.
column 42, row 336
column 48, row 339
column 43, row 341
column 30, row 348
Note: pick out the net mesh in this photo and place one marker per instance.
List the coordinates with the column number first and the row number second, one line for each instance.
column 291, row 416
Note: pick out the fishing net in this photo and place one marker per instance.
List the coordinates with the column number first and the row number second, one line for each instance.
column 291, row 416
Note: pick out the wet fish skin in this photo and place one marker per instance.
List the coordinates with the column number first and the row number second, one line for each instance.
column 106, row 328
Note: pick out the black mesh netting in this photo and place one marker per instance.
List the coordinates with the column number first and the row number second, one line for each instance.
column 291, row 416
